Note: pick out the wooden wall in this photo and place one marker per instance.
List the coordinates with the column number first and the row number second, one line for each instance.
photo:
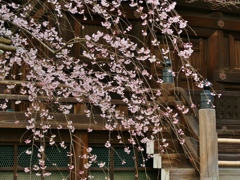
column 218, row 33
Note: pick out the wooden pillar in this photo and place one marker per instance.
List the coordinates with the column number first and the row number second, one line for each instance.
column 208, row 145
column 80, row 146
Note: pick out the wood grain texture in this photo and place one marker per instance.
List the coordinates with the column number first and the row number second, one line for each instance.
column 208, row 144
column 229, row 173
column 179, row 174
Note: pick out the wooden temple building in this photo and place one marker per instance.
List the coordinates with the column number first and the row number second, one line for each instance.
column 216, row 42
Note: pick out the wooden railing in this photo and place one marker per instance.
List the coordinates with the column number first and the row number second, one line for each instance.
column 189, row 123
column 229, row 163
column 225, row 117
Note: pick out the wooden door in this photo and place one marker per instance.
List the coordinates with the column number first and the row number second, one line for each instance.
column 224, row 61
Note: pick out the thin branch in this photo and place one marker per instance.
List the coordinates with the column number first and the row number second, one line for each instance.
column 72, row 41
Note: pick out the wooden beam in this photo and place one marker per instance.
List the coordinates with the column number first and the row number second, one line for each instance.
column 39, row 84
column 209, row 20
column 228, row 140
column 228, row 149
column 227, row 173
column 231, row 77
column 46, row 98
column 192, row 125
column 20, row 135
column 229, row 157
column 232, row 124
column 179, row 173
column 229, row 163
column 175, row 160
column 79, row 121
column 229, row 132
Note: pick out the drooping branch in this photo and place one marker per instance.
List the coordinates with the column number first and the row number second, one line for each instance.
column 71, row 41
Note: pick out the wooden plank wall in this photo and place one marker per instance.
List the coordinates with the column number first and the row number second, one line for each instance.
column 218, row 31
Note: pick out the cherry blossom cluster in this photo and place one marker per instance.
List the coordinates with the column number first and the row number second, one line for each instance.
column 50, row 69
column 41, row 164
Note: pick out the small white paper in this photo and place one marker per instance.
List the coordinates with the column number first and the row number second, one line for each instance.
column 157, row 161
column 150, row 147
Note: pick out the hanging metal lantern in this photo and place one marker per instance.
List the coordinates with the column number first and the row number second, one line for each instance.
column 207, row 99
column 167, row 71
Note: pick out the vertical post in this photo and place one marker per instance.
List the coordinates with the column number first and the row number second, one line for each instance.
column 208, row 145
column 80, row 145
column 15, row 162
